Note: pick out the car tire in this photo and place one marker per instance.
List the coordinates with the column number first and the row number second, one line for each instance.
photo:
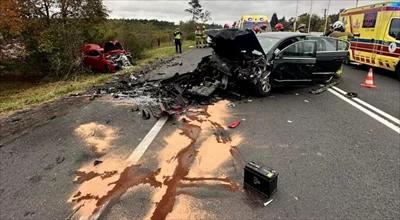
column 263, row 86
column 398, row 71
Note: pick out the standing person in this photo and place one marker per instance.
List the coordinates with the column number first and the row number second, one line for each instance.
column 204, row 37
column 178, row 42
column 198, row 35
column 301, row 28
column 340, row 32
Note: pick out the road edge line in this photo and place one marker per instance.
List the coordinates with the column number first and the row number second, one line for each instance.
column 371, row 107
column 135, row 156
column 366, row 111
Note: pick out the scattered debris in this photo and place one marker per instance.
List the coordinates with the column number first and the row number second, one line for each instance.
column 351, row 95
column 268, row 202
column 323, row 88
column 28, row 213
column 289, row 121
column 305, row 100
column 231, row 105
column 234, row 124
column 97, row 162
column 60, row 159
column 145, row 114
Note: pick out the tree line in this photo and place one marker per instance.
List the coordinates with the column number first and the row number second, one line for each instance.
column 53, row 32
column 317, row 22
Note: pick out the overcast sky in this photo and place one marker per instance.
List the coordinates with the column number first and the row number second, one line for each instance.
column 222, row 11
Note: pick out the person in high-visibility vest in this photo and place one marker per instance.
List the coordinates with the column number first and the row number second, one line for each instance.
column 178, row 42
column 340, row 33
column 204, row 37
column 198, row 35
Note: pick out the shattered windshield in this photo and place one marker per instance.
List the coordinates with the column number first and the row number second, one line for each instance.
column 267, row 43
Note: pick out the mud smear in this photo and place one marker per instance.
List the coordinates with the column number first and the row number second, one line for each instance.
column 97, row 137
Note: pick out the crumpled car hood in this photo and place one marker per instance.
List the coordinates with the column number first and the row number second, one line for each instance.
column 230, row 42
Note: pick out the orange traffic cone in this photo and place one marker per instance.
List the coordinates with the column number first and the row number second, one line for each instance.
column 369, row 81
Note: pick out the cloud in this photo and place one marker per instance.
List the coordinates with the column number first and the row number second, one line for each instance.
column 223, row 11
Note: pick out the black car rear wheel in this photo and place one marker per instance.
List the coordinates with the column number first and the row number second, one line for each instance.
column 263, row 86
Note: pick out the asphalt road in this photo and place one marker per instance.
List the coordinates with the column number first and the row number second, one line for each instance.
column 334, row 161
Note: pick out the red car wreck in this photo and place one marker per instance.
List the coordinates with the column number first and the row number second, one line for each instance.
column 111, row 58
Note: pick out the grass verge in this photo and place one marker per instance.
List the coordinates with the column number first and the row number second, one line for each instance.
column 15, row 95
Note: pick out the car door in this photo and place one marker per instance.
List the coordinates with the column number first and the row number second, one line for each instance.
column 295, row 62
column 331, row 52
column 93, row 59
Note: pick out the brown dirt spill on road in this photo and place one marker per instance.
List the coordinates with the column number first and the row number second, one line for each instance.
column 199, row 163
column 97, row 136
column 108, row 182
column 194, row 156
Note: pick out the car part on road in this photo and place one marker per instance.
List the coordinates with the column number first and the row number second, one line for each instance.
column 145, row 114
column 234, row 124
column 97, row 162
column 351, row 95
column 323, row 88
column 262, row 180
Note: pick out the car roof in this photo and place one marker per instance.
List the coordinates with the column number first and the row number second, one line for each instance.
column 281, row 34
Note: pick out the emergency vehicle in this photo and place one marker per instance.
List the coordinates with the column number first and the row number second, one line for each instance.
column 377, row 34
column 253, row 21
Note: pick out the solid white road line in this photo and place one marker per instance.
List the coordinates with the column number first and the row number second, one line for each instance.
column 145, row 143
column 135, row 156
column 373, row 108
column 366, row 111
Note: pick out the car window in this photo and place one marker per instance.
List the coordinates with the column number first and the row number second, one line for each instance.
column 394, row 30
column 93, row 53
column 305, row 48
column 267, row 43
column 329, row 44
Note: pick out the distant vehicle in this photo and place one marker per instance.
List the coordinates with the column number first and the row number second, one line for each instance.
column 253, row 21
column 108, row 59
column 377, row 34
column 273, row 58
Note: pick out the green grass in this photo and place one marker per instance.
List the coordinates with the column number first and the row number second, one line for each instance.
column 15, row 95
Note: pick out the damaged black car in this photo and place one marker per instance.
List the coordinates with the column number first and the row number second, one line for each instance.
column 269, row 59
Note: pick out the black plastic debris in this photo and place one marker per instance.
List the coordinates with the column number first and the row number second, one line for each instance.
column 97, row 162
column 351, row 95
column 262, row 180
column 60, row 159
column 145, row 114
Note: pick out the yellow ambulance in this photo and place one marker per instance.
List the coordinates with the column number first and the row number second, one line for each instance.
column 377, row 34
column 253, row 21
